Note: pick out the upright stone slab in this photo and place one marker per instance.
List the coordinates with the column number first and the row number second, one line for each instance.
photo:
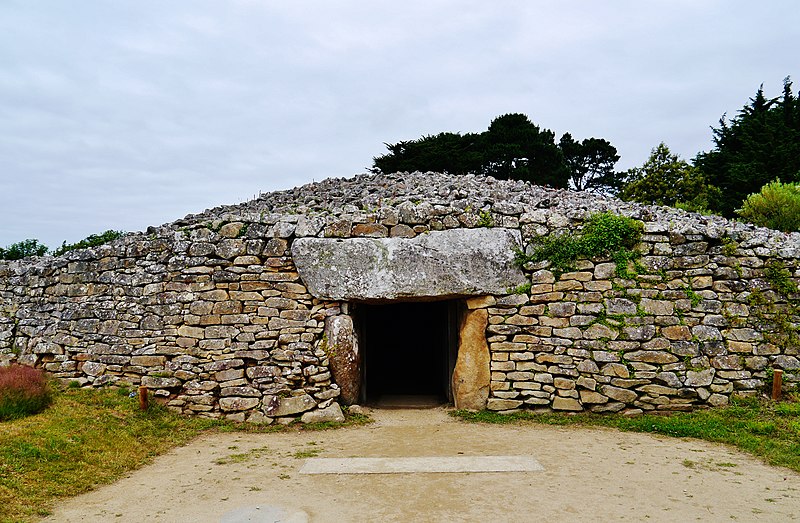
column 471, row 375
column 452, row 263
column 345, row 360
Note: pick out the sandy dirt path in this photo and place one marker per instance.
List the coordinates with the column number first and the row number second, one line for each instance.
column 589, row 474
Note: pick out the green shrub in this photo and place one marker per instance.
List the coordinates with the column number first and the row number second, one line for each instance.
column 604, row 235
column 23, row 249
column 777, row 206
column 32, row 247
column 93, row 240
column 23, row 391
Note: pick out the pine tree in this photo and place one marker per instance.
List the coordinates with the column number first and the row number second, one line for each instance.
column 759, row 145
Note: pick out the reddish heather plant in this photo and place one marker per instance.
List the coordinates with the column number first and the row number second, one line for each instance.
column 23, row 391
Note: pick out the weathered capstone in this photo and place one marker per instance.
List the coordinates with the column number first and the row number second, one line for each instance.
column 458, row 262
column 341, row 346
column 471, row 376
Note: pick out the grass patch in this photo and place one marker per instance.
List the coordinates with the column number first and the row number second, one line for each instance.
column 242, row 456
column 90, row 437
column 86, row 438
column 309, row 453
column 768, row 430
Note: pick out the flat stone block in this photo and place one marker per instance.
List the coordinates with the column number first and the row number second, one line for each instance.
column 278, row 407
column 502, row 404
column 621, row 395
column 237, row 404
column 481, row 302
column 590, row 396
column 560, row 403
column 457, row 262
column 416, row 465
column 332, row 413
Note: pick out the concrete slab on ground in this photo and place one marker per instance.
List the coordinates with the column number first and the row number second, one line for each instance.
column 421, row 465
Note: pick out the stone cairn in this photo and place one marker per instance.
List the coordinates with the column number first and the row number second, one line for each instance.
column 211, row 314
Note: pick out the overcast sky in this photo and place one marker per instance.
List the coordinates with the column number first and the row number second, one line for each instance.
column 125, row 114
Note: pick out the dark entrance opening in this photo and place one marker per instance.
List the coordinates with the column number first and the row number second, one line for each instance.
column 409, row 351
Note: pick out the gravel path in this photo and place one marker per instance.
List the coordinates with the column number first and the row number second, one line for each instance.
column 589, row 474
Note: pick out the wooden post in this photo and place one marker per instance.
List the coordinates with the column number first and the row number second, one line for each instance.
column 777, row 383
column 143, row 400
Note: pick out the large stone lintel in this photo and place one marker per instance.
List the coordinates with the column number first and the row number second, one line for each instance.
column 439, row 264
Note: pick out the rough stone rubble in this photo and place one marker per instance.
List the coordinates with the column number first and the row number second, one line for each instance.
column 211, row 314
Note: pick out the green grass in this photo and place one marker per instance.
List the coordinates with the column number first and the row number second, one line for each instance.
column 88, row 438
column 765, row 429
column 242, row 456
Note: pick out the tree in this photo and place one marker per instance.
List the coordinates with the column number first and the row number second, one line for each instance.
column 776, row 206
column 665, row 179
column 760, row 144
column 512, row 147
column 23, row 249
column 517, row 149
column 591, row 164
column 449, row 153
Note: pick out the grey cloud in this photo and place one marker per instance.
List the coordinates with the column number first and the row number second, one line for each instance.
column 128, row 114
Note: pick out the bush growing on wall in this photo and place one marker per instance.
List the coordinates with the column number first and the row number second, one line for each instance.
column 23, row 249
column 604, row 234
column 93, row 240
column 777, row 206
column 23, row 391
column 32, row 247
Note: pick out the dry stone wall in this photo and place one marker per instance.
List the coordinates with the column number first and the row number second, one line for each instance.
column 211, row 313
column 591, row 340
column 212, row 317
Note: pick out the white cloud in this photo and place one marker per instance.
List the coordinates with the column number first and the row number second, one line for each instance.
column 128, row 114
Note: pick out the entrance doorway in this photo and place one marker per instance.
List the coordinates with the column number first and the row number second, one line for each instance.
column 409, row 352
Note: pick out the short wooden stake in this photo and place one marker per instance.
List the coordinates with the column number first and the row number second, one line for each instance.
column 777, row 383
column 143, row 400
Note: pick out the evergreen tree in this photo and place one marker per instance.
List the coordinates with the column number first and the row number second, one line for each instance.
column 449, row 153
column 517, row 149
column 512, row 147
column 760, row 144
column 591, row 164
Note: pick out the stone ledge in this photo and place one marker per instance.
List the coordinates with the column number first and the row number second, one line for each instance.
column 458, row 262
